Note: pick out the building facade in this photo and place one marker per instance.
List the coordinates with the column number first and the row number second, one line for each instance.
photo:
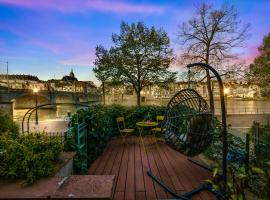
column 69, row 83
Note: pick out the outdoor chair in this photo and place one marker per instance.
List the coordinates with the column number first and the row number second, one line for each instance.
column 158, row 129
column 122, row 128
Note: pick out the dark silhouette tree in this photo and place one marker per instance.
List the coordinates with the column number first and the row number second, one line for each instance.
column 210, row 35
column 140, row 57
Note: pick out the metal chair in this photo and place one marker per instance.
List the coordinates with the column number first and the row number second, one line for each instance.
column 122, row 128
column 158, row 129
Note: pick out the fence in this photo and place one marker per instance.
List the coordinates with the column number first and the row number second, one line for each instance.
column 76, row 138
column 261, row 141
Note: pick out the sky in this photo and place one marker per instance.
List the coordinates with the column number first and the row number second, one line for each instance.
column 48, row 38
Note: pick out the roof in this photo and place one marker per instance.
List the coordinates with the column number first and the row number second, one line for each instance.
column 20, row 77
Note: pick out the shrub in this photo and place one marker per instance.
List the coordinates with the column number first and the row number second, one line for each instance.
column 7, row 126
column 235, row 144
column 28, row 157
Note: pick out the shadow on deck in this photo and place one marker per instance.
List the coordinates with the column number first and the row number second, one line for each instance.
column 130, row 163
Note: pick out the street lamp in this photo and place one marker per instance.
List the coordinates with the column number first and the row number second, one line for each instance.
column 35, row 90
column 226, row 92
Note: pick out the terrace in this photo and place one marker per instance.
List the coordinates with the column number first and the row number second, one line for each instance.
column 130, row 163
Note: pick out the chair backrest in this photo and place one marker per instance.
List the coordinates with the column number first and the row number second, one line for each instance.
column 160, row 118
column 120, row 123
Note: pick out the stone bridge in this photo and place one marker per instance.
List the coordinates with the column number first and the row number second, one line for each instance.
column 25, row 98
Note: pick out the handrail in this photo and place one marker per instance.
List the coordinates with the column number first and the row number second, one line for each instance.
column 31, row 110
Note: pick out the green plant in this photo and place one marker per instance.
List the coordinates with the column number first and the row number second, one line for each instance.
column 254, row 177
column 214, row 152
column 7, row 126
column 28, row 157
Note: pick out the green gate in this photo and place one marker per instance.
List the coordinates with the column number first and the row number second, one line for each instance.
column 76, row 140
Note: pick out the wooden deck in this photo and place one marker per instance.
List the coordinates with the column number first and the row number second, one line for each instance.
column 129, row 162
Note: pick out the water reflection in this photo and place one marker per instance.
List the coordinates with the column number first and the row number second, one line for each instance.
column 240, row 113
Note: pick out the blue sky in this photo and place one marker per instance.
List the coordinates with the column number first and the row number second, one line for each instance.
column 49, row 37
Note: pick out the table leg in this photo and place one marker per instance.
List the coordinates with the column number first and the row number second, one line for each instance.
column 141, row 137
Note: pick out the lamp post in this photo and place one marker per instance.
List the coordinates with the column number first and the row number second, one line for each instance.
column 226, row 92
column 35, row 90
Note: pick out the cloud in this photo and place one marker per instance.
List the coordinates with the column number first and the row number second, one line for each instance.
column 55, row 48
column 251, row 54
column 86, row 5
column 79, row 60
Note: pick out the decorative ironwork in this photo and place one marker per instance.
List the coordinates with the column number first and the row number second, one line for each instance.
column 188, row 123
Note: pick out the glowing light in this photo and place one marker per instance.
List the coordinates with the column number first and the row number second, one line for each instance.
column 226, row 90
column 35, row 90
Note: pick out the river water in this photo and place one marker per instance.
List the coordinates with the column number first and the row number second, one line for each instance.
column 240, row 113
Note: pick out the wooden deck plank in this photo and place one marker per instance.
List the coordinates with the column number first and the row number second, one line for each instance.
column 140, row 195
column 116, row 167
column 96, row 163
column 186, row 179
column 105, row 157
column 130, row 163
column 139, row 178
column 163, row 174
column 191, row 173
column 149, row 185
column 154, row 169
column 110, row 163
column 119, row 196
column 130, row 181
column 172, row 174
column 121, row 182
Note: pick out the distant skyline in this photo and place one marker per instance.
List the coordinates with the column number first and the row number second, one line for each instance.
column 47, row 38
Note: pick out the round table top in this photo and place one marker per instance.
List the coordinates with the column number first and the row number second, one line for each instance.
column 146, row 124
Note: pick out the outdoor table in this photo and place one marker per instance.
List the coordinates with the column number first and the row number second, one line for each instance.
column 142, row 125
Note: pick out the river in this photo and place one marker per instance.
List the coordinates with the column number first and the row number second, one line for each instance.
column 240, row 113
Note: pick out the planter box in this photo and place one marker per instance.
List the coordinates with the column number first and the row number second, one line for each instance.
column 74, row 187
column 66, row 166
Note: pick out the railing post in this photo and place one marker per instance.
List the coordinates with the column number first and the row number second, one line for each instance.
column 76, row 130
column 247, row 152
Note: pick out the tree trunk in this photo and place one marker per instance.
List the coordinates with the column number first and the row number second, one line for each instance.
column 210, row 92
column 103, row 92
column 138, row 98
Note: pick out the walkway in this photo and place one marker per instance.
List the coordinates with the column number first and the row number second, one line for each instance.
column 130, row 163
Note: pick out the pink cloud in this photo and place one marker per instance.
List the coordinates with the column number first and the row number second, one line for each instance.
column 86, row 5
column 55, row 48
column 251, row 54
column 80, row 60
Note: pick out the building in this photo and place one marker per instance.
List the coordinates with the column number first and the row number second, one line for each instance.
column 68, row 83
column 233, row 90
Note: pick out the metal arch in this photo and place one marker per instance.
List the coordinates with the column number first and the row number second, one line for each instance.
column 223, row 114
column 31, row 110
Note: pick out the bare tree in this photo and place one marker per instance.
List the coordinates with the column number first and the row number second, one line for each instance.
column 210, row 35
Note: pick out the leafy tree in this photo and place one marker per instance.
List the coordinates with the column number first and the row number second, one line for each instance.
column 260, row 70
column 101, row 69
column 210, row 35
column 140, row 57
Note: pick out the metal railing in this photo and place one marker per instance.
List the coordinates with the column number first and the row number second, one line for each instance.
column 261, row 141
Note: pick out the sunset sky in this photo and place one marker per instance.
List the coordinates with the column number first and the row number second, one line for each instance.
column 49, row 37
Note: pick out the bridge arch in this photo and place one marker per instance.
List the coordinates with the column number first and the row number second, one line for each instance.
column 64, row 98
column 28, row 100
